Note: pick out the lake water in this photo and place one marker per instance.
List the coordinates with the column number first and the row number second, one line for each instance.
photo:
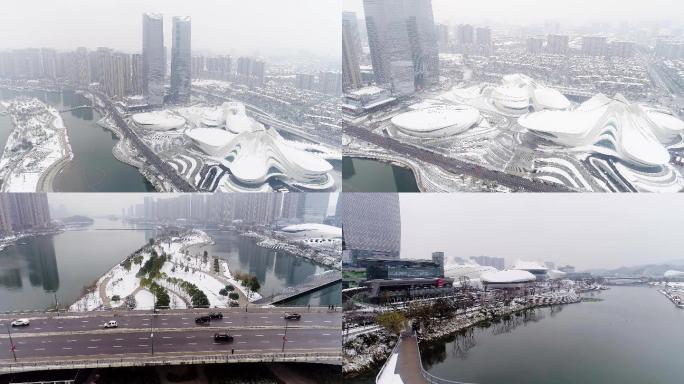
column 634, row 335
column 365, row 175
column 93, row 168
column 35, row 269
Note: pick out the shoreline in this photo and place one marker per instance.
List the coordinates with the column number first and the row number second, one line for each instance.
column 362, row 364
column 311, row 254
column 58, row 151
column 9, row 240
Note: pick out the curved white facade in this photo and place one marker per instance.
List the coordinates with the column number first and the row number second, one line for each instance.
column 507, row 276
column 158, row 120
column 437, row 120
column 611, row 126
column 254, row 154
column 313, row 230
column 673, row 273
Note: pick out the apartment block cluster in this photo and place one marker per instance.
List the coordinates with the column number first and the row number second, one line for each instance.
column 226, row 208
column 465, row 38
column 21, row 212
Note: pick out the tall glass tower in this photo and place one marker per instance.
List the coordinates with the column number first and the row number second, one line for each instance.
column 153, row 58
column 181, row 59
column 371, row 223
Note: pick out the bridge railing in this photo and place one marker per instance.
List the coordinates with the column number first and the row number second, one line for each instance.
column 171, row 360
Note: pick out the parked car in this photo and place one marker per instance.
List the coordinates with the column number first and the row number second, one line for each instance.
column 21, row 322
column 223, row 337
column 111, row 324
column 216, row 315
column 202, row 320
column 292, row 316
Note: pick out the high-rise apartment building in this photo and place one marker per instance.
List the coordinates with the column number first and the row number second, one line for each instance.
column 557, row 44
column 153, row 58
column 351, row 51
column 594, row 45
column 403, row 43
column 181, row 59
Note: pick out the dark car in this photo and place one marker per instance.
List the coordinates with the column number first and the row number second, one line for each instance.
column 222, row 337
column 202, row 320
column 292, row 316
column 216, row 315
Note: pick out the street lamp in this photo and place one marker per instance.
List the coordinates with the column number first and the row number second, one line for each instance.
column 12, row 346
column 284, row 336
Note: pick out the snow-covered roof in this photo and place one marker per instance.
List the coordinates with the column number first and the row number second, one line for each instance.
column 436, row 117
column 528, row 265
column 162, row 120
column 673, row 273
column 314, row 230
column 508, row 276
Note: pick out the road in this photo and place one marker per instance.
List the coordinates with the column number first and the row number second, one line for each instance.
column 453, row 165
column 142, row 335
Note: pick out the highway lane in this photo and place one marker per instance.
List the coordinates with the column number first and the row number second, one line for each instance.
column 93, row 321
column 187, row 342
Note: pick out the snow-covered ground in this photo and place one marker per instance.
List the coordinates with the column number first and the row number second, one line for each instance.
column 251, row 296
column 38, row 142
column 144, row 299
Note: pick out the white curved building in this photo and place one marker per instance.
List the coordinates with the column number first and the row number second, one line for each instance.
column 158, row 120
column 672, row 273
column 610, row 126
column 313, row 231
column 508, row 278
column 256, row 155
column 437, row 120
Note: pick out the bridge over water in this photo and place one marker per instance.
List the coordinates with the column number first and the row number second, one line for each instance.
column 314, row 283
column 404, row 365
column 78, row 340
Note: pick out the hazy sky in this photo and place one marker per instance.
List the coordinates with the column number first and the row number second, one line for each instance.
column 102, row 204
column 540, row 10
column 244, row 26
column 584, row 230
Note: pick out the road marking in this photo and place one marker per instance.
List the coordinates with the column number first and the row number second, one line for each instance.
column 186, row 323
column 117, row 346
column 71, row 341
column 237, row 335
column 95, row 340
column 167, row 344
column 242, row 342
column 39, row 349
column 142, row 338
column 145, row 324
column 92, row 347
column 37, row 328
column 265, row 341
column 184, row 318
column 309, row 321
column 192, row 343
column 263, row 317
column 118, row 339
column 66, row 348
column 326, row 334
column 143, row 345
column 84, row 321
column 166, row 337
column 229, row 322
column 259, row 335
column 145, row 319
column 165, row 323
column 189, row 337
column 325, row 321
column 60, row 327
column 164, row 319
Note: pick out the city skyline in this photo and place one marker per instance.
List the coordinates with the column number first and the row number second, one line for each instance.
column 218, row 27
column 531, row 11
column 104, row 204
column 587, row 231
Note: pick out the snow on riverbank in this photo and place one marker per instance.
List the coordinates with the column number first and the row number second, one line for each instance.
column 144, row 299
column 250, row 295
column 38, row 143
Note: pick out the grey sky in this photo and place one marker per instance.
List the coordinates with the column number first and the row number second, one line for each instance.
column 522, row 11
column 266, row 27
column 101, row 204
column 584, row 230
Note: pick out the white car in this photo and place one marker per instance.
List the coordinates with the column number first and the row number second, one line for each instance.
column 21, row 322
column 111, row 324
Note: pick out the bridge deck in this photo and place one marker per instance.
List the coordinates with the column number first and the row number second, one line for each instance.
column 300, row 290
column 404, row 365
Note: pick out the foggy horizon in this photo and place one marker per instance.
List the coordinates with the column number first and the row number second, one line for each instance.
column 535, row 12
column 256, row 28
column 105, row 204
column 585, row 230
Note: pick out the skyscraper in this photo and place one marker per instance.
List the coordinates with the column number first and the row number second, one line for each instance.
column 403, row 43
column 181, row 59
column 371, row 223
column 557, row 44
column 593, row 45
column 351, row 51
column 153, row 58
